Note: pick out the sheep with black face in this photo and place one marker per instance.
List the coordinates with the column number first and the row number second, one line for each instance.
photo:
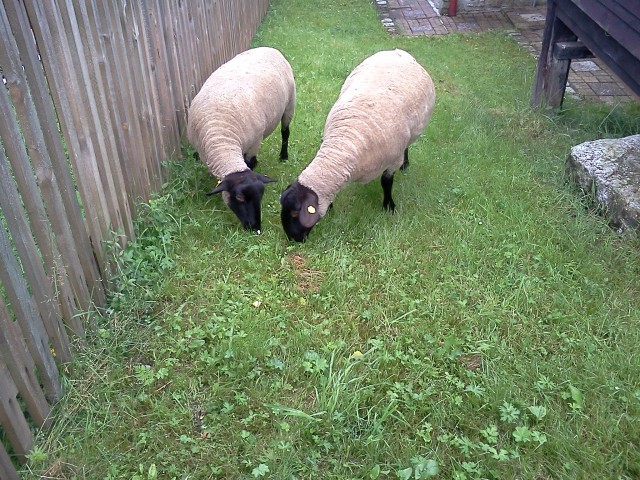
column 383, row 107
column 239, row 105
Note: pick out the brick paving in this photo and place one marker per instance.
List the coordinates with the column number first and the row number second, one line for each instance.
column 588, row 78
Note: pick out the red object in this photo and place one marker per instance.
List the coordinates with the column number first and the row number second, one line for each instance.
column 453, row 7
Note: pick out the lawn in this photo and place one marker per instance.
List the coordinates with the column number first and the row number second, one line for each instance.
column 487, row 330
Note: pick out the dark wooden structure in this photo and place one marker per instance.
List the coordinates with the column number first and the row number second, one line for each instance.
column 607, row 29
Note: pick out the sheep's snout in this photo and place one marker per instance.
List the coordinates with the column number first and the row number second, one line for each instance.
column 243, row 193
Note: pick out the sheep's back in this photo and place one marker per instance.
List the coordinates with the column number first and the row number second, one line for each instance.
column 240, row 104
column 384, row 105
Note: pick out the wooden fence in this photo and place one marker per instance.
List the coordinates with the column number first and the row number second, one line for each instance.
column 95, row 99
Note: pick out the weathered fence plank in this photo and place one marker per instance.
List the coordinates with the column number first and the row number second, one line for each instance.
column 70, row 104
column 45, row 298
column 93, row 25
column 164, row 82
column 96, row 98
column 177, row 72
column 67, row 219
column 141, row 22
column 118, row 80
column 124, row 17
column 22, row 368
column 190, row 64
column 105, row 135
column 149, row 96
column 22, row 302
column 7, row 470
column 40, row 276
column 202, row 40
column 93, row 153
column 11, row 418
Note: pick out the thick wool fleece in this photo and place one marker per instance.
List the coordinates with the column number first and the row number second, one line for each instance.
column 384, row 105
column 238, row 106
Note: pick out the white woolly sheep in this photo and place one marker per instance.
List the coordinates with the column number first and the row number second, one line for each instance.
column 238, row 106
column 383, row 107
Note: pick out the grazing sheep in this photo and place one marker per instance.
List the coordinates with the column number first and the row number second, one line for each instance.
column 383, row 106
column 238, row 106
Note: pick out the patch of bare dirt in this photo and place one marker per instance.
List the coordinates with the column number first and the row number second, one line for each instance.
column 472, row 361
column 307, row 280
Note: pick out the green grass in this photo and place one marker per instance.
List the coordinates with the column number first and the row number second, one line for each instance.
column 488, row 329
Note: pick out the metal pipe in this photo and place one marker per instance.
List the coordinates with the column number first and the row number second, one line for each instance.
column 453, row 7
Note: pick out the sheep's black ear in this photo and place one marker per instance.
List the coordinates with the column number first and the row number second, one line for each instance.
column 221, row 187
column 309, row 214
column 265, row 179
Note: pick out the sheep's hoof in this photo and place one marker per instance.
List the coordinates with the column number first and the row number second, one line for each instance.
column 389, row 206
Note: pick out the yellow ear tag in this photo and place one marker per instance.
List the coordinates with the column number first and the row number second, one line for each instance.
column 311, row 209
column 219, row 182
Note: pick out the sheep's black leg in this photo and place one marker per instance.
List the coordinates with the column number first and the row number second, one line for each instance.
column 252, row 162
column 387, row 182
column 405, row 164
column 284, row 153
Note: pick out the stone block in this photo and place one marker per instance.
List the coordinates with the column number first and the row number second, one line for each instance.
column 609, row 171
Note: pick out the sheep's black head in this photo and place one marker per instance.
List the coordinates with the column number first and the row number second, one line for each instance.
column 243, row 192
column 299, row 211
